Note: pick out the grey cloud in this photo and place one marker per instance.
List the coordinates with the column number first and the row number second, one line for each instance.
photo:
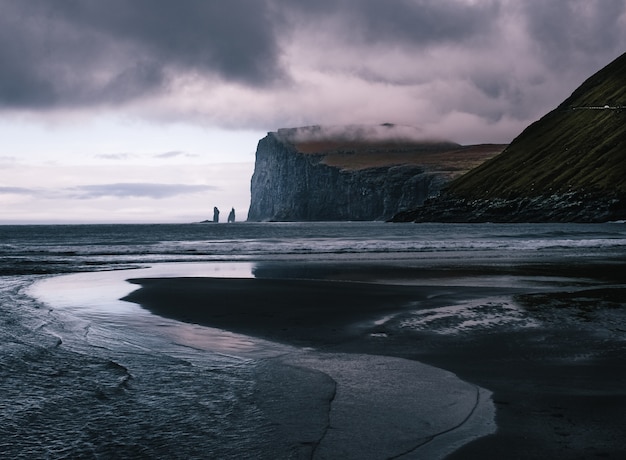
column 74, row 53
column 527, row 50
column 173, row 154
column 128, row 156
column 120, row 190
column 565, row 30
column 408, row 22
column 136, row 190
column 383, row 133
column 115, row 156
column 230, row 37
column 18, row 191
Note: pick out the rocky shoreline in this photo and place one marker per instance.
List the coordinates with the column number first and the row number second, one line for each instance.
column 571, row 207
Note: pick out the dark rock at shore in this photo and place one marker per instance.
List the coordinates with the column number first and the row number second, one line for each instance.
column 572, row 207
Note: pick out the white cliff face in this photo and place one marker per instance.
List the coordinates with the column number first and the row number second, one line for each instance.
column 291, row 186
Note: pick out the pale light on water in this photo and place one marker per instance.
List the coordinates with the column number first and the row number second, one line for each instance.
column 97, row 296
column 101, row 291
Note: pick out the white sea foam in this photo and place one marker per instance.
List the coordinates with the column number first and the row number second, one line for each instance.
column 478, row 314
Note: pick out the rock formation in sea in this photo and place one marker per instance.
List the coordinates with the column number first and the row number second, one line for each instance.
column 569, row 166
column 352, row 173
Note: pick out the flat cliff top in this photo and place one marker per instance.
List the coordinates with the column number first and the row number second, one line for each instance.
column 329, row 146
column 451, row 160
column 359, row 147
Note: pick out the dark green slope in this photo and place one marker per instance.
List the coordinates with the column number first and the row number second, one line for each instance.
column 573, row 148
column 607, row 86
column 568, row 166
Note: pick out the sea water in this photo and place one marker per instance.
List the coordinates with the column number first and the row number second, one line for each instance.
column 85, row 375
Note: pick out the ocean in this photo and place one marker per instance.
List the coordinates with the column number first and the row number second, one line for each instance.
column 84, row 374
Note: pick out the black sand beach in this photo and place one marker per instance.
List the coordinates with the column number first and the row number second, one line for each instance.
column 548, row 339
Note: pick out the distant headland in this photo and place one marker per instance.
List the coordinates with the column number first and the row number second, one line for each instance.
column 569, row 166
column 356, row 172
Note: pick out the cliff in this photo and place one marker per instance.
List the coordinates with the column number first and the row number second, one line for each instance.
column 316, row 174
column 568, row 166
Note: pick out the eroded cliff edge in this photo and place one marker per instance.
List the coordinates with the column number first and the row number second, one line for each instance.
column 309, row 174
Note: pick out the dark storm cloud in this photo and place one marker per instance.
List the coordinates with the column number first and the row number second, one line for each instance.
column 567, row 31
column 409, row 22
column 69, row 52
column 453, row 64
column 135, row 190
column 72, row 53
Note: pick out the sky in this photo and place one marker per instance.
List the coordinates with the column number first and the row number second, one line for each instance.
column 151, row 110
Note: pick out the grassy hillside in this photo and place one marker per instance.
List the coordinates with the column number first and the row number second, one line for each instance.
column 578, row 147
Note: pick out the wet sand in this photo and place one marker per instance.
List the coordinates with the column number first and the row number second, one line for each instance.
column 299, row 312
column 547, row 339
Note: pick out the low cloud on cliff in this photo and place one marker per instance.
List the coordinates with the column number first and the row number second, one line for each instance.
column 464, row 70
column 385, row 132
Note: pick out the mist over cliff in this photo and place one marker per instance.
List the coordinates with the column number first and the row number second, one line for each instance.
column 356, row 172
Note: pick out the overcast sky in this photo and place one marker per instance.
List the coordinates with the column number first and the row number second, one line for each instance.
column 150, row 110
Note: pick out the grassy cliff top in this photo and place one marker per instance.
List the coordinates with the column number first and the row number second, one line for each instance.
column 358, row 147
column 579, row 146
column 455, row 160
